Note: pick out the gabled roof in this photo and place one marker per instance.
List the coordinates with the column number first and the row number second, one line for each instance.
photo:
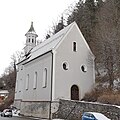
column 51, row 43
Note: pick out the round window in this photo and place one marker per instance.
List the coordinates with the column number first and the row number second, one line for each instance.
column 84, row 68
column 65, row 66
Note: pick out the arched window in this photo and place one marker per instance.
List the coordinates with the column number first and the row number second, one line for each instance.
column 35, row 81
column 74, row 46
column 27, row 82
column 32, row 40
column 20, row 85
column 29, row 40
column 44, row 78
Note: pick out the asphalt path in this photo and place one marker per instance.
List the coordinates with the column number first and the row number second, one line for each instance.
column 16, row 118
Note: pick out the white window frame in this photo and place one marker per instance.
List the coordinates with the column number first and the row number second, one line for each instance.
column 45, row 74
column 27, row 82
column 35, row 80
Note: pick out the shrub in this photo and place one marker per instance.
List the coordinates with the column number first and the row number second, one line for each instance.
column 92, row 96
column 103, row 95
column 110, row 98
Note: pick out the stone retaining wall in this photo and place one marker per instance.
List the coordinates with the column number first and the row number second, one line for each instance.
column 17, row 104
column 36, row 109
column 73, row 110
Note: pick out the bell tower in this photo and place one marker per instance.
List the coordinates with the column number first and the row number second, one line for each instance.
column 30, row 39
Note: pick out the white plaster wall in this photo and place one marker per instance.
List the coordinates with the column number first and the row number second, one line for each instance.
column 63, row 80
column 38, row 65
column 19, row 82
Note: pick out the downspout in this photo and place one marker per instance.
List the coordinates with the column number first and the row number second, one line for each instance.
column 50, row 113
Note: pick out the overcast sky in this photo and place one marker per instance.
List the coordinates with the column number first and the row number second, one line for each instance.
column 15, row 21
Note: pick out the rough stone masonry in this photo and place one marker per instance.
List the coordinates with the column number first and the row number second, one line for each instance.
column 73, row 110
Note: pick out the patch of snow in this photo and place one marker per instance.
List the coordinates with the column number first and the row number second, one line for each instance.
column 102, row 72
column 116, row 83
column 118, row 107
column 105, row 85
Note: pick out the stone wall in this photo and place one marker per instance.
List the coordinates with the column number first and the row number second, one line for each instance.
column 17, row 104
column 36, row 109
column 73, row 110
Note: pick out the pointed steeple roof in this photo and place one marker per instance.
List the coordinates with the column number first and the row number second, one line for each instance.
column 31, row 30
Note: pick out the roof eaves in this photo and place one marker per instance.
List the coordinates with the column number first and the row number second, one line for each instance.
column 37, row 57
column 23, row 60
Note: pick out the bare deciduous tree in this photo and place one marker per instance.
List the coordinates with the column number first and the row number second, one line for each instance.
column 107, row 34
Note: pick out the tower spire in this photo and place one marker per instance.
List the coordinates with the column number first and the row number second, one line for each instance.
column 30, row 39
column 31, row 30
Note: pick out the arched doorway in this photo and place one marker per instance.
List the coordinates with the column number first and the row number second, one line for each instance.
column 74, row 92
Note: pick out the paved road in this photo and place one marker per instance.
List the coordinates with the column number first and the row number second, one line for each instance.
column 16, row 118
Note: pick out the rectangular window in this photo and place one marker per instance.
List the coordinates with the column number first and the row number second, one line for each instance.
column 27, row 82
column 44, row 85
column 35, row 81
column 74, row 46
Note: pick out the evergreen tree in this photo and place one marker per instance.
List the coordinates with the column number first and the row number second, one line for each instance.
column 59, row 26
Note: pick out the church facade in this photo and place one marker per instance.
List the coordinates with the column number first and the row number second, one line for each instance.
column 61, row 67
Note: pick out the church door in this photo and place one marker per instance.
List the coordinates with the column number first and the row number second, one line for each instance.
column 74, row 92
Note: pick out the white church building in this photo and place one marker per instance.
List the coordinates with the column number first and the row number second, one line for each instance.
column 61, row 67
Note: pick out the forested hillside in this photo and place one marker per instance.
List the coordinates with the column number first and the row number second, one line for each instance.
column 8, row 79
